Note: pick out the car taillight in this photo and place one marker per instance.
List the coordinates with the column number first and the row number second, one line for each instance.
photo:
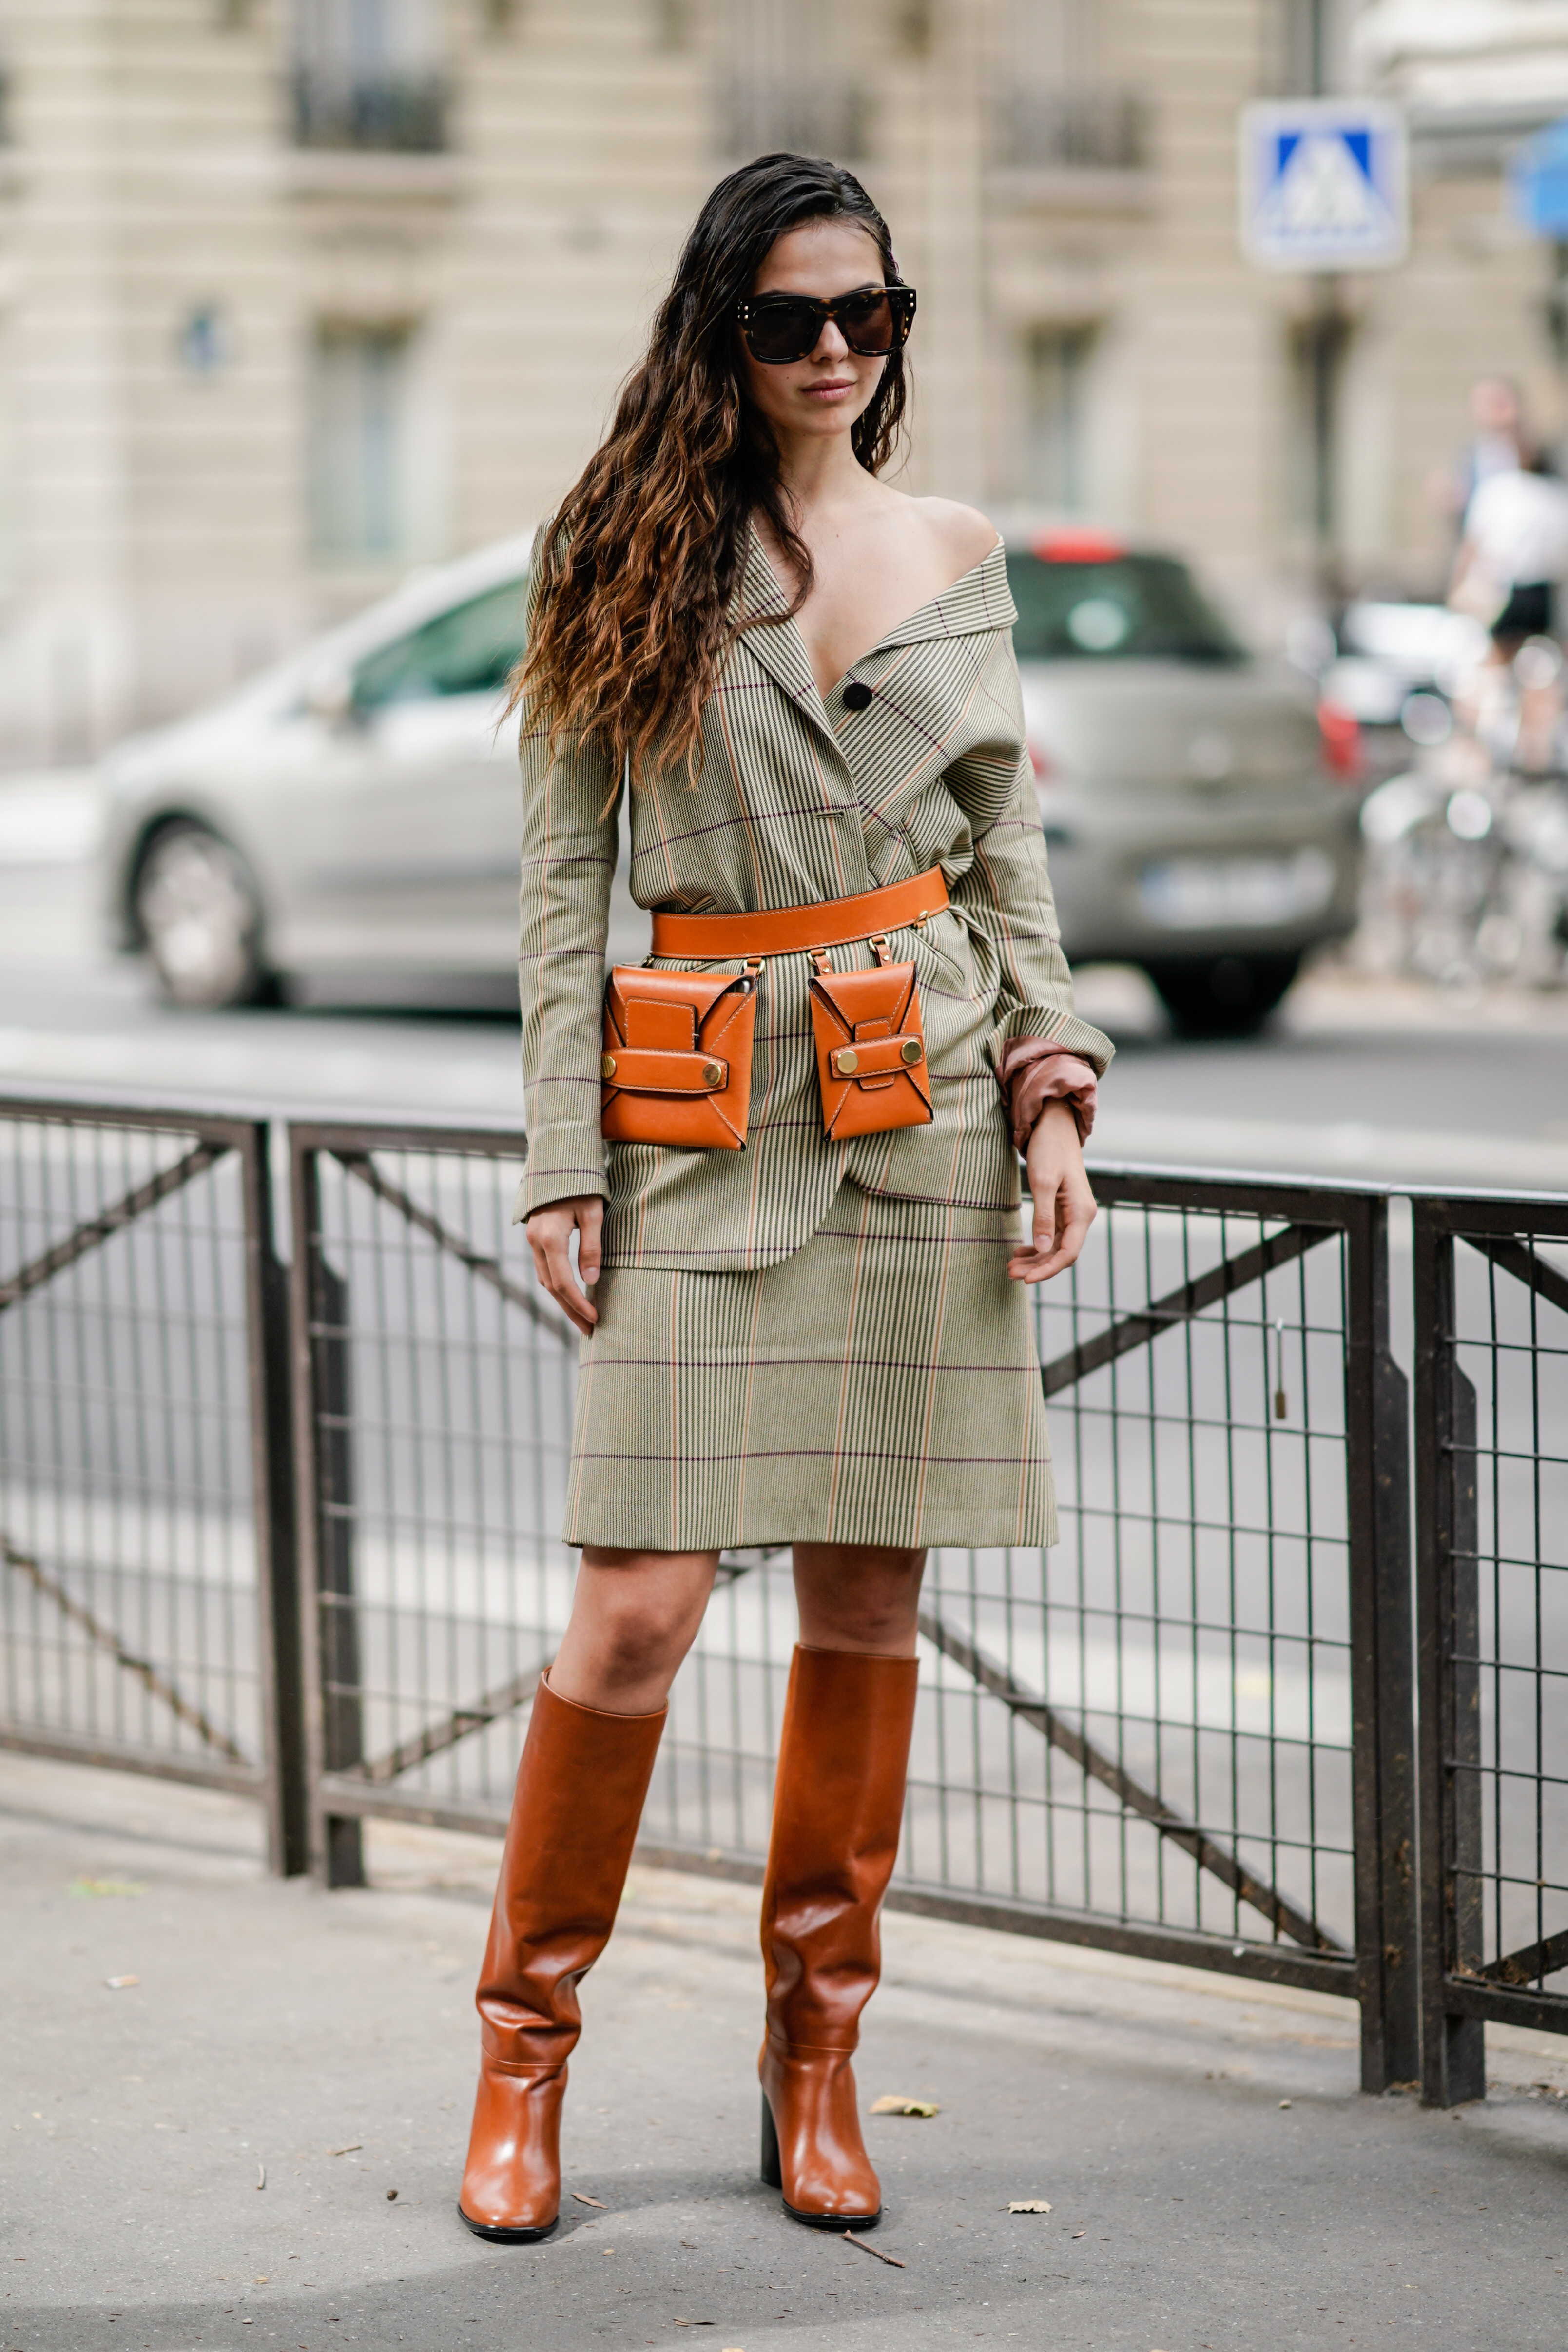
column 1341, row 737
column 1040, row 762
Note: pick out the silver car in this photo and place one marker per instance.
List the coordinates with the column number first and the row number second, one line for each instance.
column 346, row 826
column 1198, row 803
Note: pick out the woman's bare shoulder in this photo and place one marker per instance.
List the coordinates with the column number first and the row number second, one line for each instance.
column 964, row 535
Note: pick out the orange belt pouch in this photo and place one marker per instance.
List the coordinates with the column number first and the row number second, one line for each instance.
column 870, row 1047
column 677, row 1057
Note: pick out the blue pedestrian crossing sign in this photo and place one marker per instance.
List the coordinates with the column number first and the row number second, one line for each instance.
column 1324, row 184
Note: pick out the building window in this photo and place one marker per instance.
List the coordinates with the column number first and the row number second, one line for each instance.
column 366, row 73
column 1060, row 108
column 1056, row 422
column 358, row 434
column 782, row 86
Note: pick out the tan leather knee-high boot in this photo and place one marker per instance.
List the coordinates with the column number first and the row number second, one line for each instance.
column 837, row 1808
column 580, row 1789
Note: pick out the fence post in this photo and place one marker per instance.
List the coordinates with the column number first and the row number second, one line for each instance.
column 1448, row 1618
column 1382, row 1756
column 324, row 1452
column 277, row 1567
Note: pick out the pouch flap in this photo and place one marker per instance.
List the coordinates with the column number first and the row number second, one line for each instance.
column 661, row 1026
column 660, row 994
column 882, row 992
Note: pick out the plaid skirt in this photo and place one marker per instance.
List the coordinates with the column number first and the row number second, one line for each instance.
column 880, row 1386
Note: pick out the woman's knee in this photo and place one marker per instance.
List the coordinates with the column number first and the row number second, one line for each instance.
column 862, row 1596
column 638, row 1612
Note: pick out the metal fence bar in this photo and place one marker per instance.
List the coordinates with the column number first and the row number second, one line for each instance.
column 1206, row 1851
column 151, row 1401
column 1491, row 1488
column 1384, row 1735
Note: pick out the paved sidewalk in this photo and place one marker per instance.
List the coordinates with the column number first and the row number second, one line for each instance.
column 1217, row 2183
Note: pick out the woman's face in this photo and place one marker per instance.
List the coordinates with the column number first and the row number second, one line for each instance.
column 824, row 392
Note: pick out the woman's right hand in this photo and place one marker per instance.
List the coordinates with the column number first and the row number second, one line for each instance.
column 549, row 1238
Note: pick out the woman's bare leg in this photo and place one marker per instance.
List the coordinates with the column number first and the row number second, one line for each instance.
column 634, row 1615
column 858, row 1596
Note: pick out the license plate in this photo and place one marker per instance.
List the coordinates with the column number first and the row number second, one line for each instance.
column 1200, row 893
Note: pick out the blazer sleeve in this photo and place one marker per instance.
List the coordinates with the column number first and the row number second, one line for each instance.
column 1006, row 893
column 570, row 796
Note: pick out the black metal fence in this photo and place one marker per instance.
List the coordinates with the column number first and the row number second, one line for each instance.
column 148, row 1617
column 1491, row 1340
column 1188, row 1730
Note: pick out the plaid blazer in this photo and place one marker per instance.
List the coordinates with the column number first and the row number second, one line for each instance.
column 798, row 800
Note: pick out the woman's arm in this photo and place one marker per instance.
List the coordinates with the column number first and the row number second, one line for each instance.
column 570, row 795
column 1006, row 894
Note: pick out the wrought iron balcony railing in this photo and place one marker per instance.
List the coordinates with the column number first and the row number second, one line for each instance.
column 402, row 113
column 1067, row 130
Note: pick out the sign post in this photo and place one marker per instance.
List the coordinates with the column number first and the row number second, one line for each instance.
column 1324, row 187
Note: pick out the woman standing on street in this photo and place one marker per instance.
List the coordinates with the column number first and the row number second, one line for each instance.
column 788, row 1155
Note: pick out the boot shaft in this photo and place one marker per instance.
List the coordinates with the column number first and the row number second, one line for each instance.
column 838, row 1809
column 581, row 1785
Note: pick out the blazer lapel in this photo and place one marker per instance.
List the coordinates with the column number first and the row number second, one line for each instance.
column 980, row 601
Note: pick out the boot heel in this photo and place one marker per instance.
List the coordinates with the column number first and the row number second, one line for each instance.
column 772, row 2170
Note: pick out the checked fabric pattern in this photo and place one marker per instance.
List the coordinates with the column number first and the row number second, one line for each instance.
column 798, row 800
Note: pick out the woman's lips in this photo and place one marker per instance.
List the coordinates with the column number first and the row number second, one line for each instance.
column 825, row 390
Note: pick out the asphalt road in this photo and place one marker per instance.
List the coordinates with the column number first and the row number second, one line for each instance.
column 1356, row 1076
column 257, row 2137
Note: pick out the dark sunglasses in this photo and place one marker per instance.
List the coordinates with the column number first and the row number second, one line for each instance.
column 873, row 321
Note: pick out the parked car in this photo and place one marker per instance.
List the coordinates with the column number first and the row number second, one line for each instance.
column 1194, row 794
column 349, row 822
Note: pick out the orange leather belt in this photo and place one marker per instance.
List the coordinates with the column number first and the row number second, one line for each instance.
column 791, row 930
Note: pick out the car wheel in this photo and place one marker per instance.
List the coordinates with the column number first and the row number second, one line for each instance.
column 198, row 912
column 1222, row 996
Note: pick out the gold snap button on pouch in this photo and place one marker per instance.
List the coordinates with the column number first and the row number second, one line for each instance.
column 846, row 1062
column 606, row 1066
column 910, row 1049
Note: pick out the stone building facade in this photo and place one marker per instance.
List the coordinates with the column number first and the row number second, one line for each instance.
column 297, row 293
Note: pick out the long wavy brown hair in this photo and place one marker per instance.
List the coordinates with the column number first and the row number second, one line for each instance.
column 635, row 572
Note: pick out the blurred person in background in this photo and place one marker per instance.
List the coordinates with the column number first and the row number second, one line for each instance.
column 1499, row 444
column 1511, row 561
column 807, row 680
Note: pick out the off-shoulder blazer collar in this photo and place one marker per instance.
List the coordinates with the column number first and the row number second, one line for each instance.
column 979, row 601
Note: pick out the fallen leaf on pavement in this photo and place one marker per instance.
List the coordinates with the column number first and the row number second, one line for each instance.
column 261, row 2176
column 348, row 2148
column 891, row 2259
column 890, row 2105
column 1029, row 2205
column 121, row 1984
column 591, row 2200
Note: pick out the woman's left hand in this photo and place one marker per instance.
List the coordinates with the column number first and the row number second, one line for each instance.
column 1063, row 1204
